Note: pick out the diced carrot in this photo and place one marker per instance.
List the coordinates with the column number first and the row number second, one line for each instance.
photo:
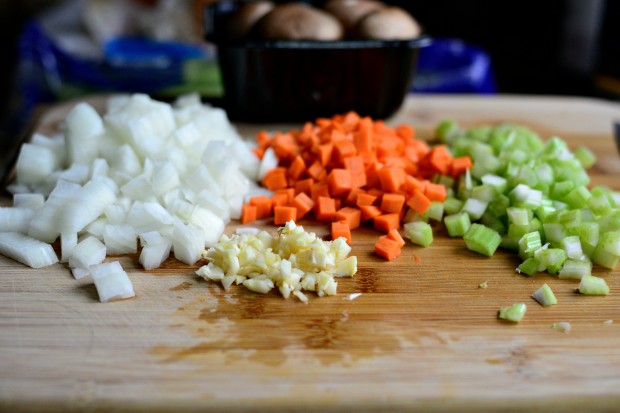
column 405, row 131
column 258, row 152
column 412, row 184
column 435, row 192
column 339, row 181
column 351, row 199
column 373, row 179
column 317, row 171
column 343, row 149
column 369, row 212
column 263, row 205
column 386, row 222
column 460, row 165
column 341, row 229
column 363, row 137
column 262, row 139
column 325, row 153
column 275, row 179
column 290, row 194
column 279, row 199
column 355, row 164
column 395, row 235
column 304, row 186
column 284, row 214
column 437, row 161
column 248, row 213
column 418, row 202
column 297, row 168
column 387, row 248
column 352, row 216
column 364, row 198
column 303, row 203
column 319, row 189
column 391, row 179
column 325, row 208
column 392, row 202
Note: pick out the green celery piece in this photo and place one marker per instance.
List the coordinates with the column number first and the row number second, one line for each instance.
column 447, row 131
column 517, row 231
column 586, row 157
column 513, row 313
column 599, row 204
column 544, row 295
column 561, row 188
column 518, row 216
column 526, row 197
column 484, row 193
column 611, row 221
column 554, row 233
column 445, row 180
column 525, row 175
column 480, row 133
column 610, row 242
column 508, row 243
column 604, row 258
column 435, row 211
column 457, row 224
column 572, row 246
column 529, row 244
column 493, row 222
column 452, row 205
column 551, row 258
column 499, row 183
column 575, row 270
column 498, row 206
column 530, row 267
column 591, row 285
column 544, row 172
column 578, row 197
column 482, row 240
column 419, row 233
column 475, row 208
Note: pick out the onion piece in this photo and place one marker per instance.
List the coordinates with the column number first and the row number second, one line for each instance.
column 27, row 250
column 111, row 281
column 89, row 251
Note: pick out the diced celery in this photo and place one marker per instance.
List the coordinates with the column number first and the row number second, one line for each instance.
column 529, row 244
column 497, row 182
column 585, row 157
column 526, row 197
column 578, row 197
column 604, row 258
column 445, row 180
column 435, row 211
column 482, row 240
column 572, row 246
column 475, row 208
column 591, row 285
column 457, row 224
column 610, row 242
column 575, row 269
column 513, row 313
column 554, row 233
column 419, row 233
column 530, row 267
column 517, row 231
column 498, row 206
column 611, row 221
column 551, row 258
column 493, row 222
column 452, row 205
column 519, row 216
column 447, row 130
column 485, row 193
column 561, row 188
column 508, row 243
column 544, row 295
column 599, row 204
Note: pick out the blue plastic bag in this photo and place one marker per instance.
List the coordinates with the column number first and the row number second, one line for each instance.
column 453, row 66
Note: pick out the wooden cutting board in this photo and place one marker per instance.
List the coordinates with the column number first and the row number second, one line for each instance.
column 423, row 336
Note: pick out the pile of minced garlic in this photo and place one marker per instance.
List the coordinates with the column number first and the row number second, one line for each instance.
column 293, row 261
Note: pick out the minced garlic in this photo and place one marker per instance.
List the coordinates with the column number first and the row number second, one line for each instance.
column 293, row 261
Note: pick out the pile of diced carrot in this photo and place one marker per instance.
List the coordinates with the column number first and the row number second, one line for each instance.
column 350, row 170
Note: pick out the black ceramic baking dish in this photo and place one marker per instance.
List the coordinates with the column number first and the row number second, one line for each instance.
column 266, row 81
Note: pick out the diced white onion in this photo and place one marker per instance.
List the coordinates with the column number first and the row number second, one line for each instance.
column 89, row 251
column 27, row 250
column 111, row 281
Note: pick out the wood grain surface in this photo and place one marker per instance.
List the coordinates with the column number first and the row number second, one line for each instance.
column 422, row 336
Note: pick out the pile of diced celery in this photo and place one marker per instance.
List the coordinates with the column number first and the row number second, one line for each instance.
column 532, row 197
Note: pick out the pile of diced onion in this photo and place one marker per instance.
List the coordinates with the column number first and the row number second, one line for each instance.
column 167, row 176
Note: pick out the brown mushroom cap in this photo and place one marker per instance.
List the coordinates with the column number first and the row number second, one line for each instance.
column 390, row 23
column 245, row 18
column 298, row 21
column 349, row 12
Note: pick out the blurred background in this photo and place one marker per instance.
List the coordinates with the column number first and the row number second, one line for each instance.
column 553, row 47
